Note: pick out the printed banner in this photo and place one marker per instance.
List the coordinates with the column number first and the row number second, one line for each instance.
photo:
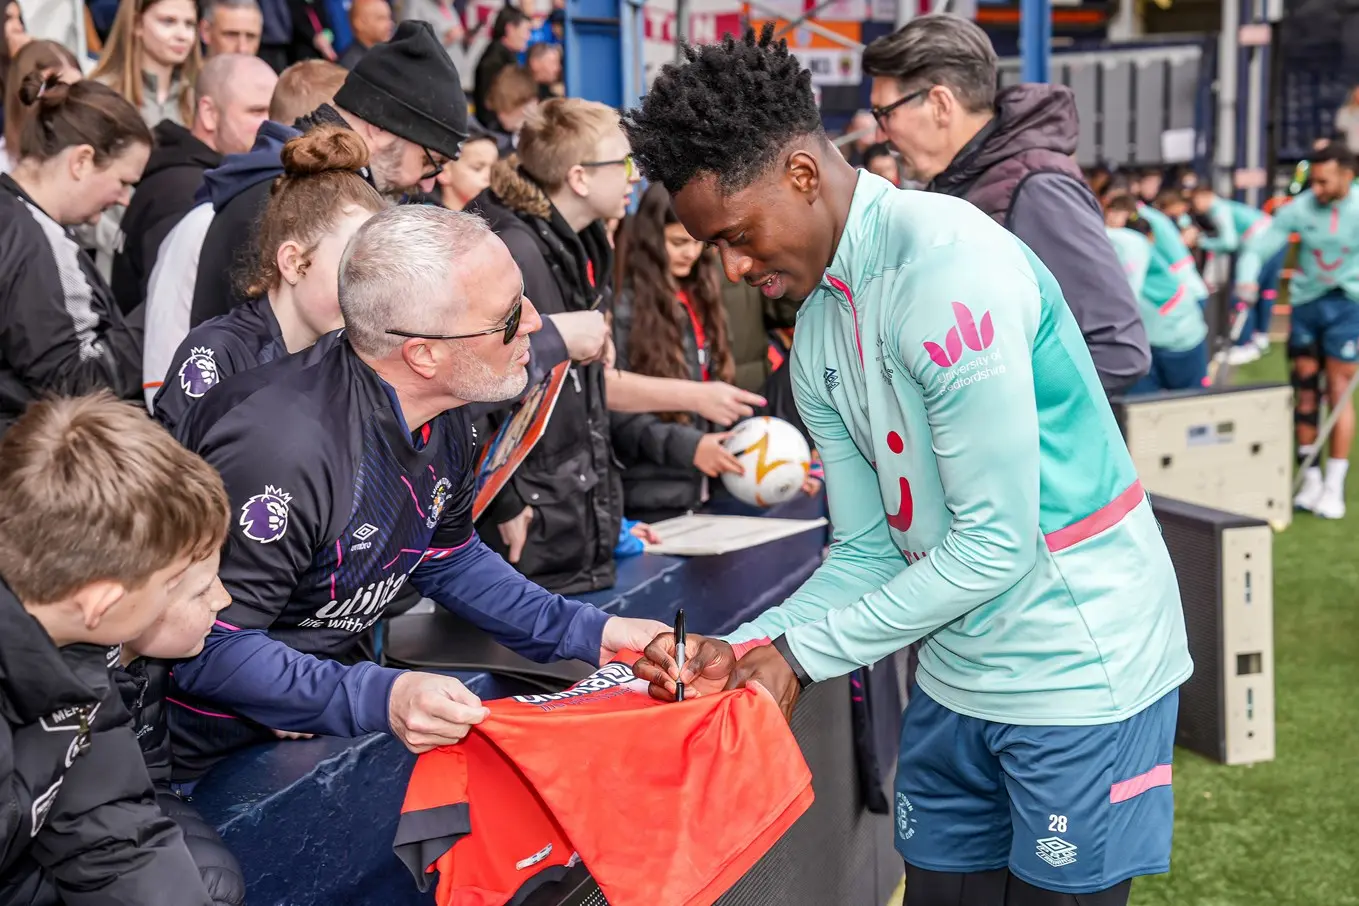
column 830, row 62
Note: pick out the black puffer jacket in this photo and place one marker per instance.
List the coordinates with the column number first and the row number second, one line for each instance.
column 570, row 479
column 142, row 686
column 659, row 477
column 79, row 822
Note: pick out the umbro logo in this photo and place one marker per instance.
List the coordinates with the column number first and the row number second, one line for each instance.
column 832, row 379
column 365, row 531
column 1056, row 852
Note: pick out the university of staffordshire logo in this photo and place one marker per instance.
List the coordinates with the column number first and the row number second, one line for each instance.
column 264, row 517
column 966, row 332
column 199, row 372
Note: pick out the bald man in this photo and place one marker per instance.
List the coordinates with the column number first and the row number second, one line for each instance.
column 371, row 21
column 233, row 93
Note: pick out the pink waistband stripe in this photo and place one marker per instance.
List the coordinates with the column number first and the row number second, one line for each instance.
column 1186, row 261
column 1128, row 789
column 1105, row 517
column 1174, row 300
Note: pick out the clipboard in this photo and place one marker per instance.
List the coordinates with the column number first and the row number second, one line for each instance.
column 516, row 438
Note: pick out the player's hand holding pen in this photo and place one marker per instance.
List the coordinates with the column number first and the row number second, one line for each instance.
column 710, row 665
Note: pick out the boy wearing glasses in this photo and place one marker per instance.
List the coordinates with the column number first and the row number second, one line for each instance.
column 574, row 172
column 109, row 535
column 351, row 472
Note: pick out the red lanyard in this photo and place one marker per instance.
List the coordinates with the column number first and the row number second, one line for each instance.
column 697, row 323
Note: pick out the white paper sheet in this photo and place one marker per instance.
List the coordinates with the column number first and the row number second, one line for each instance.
column 701, row 535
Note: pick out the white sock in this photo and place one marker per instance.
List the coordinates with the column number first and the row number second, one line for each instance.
column 1335, row 474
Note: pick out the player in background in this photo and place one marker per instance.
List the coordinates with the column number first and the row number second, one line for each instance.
column 981, row 496
column 1237, row 223
column 1324, row 328
column 314, row 207
column 1131, row 238
column 351, row 471
column 1171, row 303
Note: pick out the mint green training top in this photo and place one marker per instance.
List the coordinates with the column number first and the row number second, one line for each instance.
column 1134, row 253
column 1173, row 290
column 1235, row 221
column 1329, row 257
column 981, row 496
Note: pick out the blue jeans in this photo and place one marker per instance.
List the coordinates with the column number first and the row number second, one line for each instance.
column 1174, row 370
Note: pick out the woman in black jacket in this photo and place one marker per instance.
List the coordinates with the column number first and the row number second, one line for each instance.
column 80, row 152
column 668, row 322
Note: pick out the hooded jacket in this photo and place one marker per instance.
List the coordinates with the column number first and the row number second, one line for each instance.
column 570, row 479
column 1020, row 169
column 239, row 191
column 165, row 194
column 60, row 329
column 79, row 822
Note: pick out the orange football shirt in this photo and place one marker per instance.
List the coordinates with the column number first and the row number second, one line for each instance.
column 667, row 804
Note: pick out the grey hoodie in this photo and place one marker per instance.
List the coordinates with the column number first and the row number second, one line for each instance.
column 1020, row 170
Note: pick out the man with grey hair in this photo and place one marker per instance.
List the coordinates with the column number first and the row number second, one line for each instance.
column 1010, row 153
column 231, row 26
column 352, row 468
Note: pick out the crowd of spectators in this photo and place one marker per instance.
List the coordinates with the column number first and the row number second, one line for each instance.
column 218, row 207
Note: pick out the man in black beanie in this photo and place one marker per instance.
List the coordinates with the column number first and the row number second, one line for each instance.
column 406, row 101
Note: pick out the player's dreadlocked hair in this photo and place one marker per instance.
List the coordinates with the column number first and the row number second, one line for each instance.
column 728, row 110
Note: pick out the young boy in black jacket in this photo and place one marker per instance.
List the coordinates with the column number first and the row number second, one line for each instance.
column 109, row 532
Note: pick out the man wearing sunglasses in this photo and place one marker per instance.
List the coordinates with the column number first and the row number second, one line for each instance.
column 1010, row 153
column 403, row 97
column 351, row 472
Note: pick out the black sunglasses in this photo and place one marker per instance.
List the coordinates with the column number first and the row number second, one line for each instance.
column 435, row 168
column 510, row 329
column 882, row 113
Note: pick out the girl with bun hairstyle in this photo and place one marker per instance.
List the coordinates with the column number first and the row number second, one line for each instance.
column 314, row 208
column 45, row 57
column 152, row 58
column 81, row 149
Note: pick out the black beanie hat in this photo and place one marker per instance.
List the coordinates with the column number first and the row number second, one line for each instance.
column 409, row 87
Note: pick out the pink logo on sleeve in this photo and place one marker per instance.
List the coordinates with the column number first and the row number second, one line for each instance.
column 966, row 332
